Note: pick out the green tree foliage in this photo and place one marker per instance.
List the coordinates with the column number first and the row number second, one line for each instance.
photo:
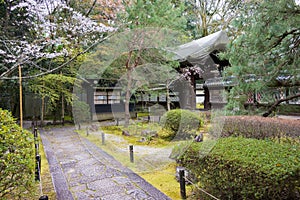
column 16, row 158
column 54, row 87
column 137, row 45
column 265, row 51
column 9, row 95
column 154, row 13
column 139, row 15
column 102, row 11
column 9, row 16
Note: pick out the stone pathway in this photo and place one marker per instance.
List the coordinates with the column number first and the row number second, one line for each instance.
column 80, row 170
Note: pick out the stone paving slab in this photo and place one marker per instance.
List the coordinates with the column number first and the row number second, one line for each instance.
column 80, row 170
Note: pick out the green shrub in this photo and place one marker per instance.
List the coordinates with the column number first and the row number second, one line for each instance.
column 261, row 127
column 16, row 158
column 180, row 124
column 241, row 168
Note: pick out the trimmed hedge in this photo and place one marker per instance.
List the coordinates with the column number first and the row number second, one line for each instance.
column 17, row 158
column 241, row 168
column 180, row 124
column 261, row 127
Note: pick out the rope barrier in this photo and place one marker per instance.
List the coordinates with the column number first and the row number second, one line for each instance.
column 40, row 178
column 202, row 190
column 38, row 162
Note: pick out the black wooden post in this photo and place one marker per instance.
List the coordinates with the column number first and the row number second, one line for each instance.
column 103, row 138
column 131, row 153
column 38, row 167
column 44, row 197
column 182, row 184
column 36, row 141
column 35, row 133
column 36, row 145
column 32, row 125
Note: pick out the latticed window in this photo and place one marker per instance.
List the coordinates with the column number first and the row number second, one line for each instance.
column 107, row 97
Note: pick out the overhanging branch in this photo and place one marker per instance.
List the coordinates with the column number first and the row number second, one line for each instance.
column 272, row 108
column 284, row 35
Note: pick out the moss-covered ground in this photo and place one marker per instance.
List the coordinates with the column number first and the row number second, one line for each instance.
column 160, row 173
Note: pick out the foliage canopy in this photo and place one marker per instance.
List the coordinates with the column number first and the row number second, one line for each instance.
column 265, row 51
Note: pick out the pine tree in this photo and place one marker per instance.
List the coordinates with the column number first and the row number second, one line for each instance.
column 265, row 53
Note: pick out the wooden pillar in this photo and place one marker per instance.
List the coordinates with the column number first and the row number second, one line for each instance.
column 206, row 98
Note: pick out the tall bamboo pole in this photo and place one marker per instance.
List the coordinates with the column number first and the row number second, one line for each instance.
column 21, row 99
column 62, row 106
column 43, row 106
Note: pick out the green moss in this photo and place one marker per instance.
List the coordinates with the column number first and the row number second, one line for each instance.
column 135, row 134
column 164, row 180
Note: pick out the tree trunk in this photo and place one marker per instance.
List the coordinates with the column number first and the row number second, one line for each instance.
column 168, row 98
column 42, row 111
column 127, row 97
column 204, row 25
column 273, row 107
column 206, row 98
column 192, row 92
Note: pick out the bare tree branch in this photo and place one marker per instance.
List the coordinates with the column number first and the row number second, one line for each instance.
column 91, row 8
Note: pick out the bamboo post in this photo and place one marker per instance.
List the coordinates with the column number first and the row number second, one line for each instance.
column 62, row 106
column 21, row 99
column 43, row 105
